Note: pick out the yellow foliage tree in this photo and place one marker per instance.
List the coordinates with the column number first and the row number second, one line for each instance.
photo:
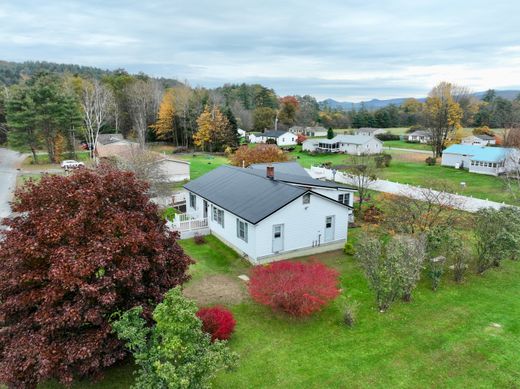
column 455, row 138
column 212, row 127
column 164, row 128
column 443, row 115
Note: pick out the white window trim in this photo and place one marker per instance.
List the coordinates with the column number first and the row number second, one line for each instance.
column 242, row 230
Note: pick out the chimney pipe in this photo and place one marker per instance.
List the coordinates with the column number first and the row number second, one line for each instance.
column 270, row 172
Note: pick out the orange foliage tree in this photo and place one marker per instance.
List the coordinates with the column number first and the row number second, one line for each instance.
column 262, row 153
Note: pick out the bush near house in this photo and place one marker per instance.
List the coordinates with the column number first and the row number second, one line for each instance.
column 84, row 246
column 430, row 161
column 217, row 321
column 296, row 288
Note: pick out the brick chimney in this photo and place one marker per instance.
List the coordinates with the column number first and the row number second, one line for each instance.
column 270, row 172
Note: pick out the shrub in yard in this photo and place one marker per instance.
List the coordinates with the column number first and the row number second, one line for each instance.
column 83, row 247
column 459, row 257
column 349, row 312
column 497, row 233
column 217, row 321
column 296, row 288
column 349, row 249
column 175, row 352
column 199, row 239
column 393, row 270
column 300, row 139
column 430, row 161
column 383, row 160
column 436, row 270
column 373, row 215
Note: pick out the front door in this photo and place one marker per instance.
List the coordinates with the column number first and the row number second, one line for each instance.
column 329, row 228
column 277, row 238
column 205, row 209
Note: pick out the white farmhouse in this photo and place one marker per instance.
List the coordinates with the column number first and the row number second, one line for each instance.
column 482, row 160
column 479, row 140
column 309, row 131
column 266, row 215
column 368, row 131
column 282, row 138
column 348, row 144
column 420, row 137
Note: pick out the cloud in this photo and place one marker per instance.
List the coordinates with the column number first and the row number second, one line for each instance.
column 348, row 50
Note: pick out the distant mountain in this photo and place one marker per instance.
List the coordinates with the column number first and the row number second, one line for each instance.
column 12, row 72
column 376, row 103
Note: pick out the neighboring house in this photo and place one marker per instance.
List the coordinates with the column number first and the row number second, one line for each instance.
column 266, row 215
column 114, row 146
column 282, row 138
column 368, row 131
column 309, row 131
column 420, row 137
column 479, row 140
column 482, row 160
column 241, row 133
column 175, row 170
column 349, row 144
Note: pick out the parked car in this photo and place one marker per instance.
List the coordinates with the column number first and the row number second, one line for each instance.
column 71, row 164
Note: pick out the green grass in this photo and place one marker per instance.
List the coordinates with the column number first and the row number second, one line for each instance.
column 406, row 145
column 202, row 163
column 441, row 339
column 477, row 185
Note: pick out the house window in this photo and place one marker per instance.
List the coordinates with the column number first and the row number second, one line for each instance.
column 344, row 198
column 217, row 215
column 193, row 201
column 306, row 198
column 242, row 230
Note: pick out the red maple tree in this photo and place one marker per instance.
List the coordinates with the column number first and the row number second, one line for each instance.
column 296, row 288
column 81, row 248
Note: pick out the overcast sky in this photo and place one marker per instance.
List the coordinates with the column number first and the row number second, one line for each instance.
column 347, row 49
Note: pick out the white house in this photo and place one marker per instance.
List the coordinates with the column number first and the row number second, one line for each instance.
column 267, row 215
column 368, row 131
column 282, row 138
column 482, row 160
column 241, row 133
column 348, row 144
column 479, row 140
column 308, row 131
column 420, row 136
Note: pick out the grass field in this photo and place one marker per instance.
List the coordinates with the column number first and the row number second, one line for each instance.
column 462, row 336
column 202, row 163
column 406, row 145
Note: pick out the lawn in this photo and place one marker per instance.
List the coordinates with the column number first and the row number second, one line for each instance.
column 418, row 173
column 200, row 164
column 462, row 336
column 442, row 339
column 406, row 145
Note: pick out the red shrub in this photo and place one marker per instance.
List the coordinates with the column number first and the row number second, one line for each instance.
column 217, row 321
column 300, row 139
column 296, row 288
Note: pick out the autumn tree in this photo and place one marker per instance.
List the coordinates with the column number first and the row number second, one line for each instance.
column 442, row 114
column 261, row 153
column 289, row 106
column 81, row 248
column 213, row 130
column 164, row 127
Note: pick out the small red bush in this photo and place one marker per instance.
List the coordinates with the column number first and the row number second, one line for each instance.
column 217, row 321
column 296, row 288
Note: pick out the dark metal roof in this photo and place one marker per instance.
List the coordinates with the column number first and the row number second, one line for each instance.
column 244, row 194
column 299, row 179
column 293, row 168
column 485, row 137
column 248, row 193
column 273, row 134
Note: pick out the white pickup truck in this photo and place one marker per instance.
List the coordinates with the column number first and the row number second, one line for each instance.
column 71, row 164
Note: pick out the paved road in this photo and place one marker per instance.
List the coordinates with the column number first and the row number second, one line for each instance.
column 469, row 204
column 9, row 160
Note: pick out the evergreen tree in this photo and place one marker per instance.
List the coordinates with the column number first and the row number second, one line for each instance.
column 330, row 133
